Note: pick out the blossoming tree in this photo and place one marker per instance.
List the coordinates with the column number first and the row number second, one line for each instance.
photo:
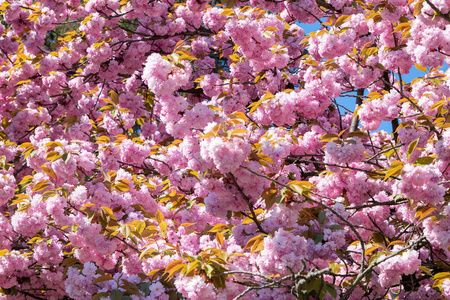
column 162, row 150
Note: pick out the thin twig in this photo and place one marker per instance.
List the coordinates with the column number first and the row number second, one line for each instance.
column 362, row 274
column 249, row 204
column 440, row 14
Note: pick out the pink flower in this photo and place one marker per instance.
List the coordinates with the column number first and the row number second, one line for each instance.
column 391, row 270
column 226, row 154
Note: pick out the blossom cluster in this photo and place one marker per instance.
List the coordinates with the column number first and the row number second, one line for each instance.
column 189, row 149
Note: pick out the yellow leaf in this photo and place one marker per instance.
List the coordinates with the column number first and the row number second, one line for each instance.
column 87, row 19
column 403, row 26
column 49, row 172
column 198, row 80
column 186, row 57
column 22, row 196
column 194, row 173
column 341, row 20
column 26, row 145
column 424, row 212
column 271, row 28
column 420, row 67
column 310, row 62
column 87, row 205
column 396, row 166
column 265, row 158
column 437, row 104
column 175, row 270
column 53, row 145
column 219, row 238
column 4, row 5
column 41, row 185
column 140, row 226
column 238, row 115
column 48, row 194
column 149, row 251
column 370, row 250
column 253, row 243
column 259, row 78
column 173, row 264
column 236, row 131
column 23, row 82
column 108, row 211
column 253, row 106
column 103, row 139
column 442, row 275
column 354, row 243
column 35, row 239
column 26, row 180
column 98, row 44
column 426, row 270
column 335, row 268
column 401, row 243
column 159, row 216
column 371, row 51
column 218, row 227
column 328, row 137
column 418, row 7
column 122, row 187
column 191, row 267
column 247, row 221
column 358, row 133
column 257, row 246
column 305, row 184
column 163, row 226
column 412, row 147
column 120, row 137
column 53, row 155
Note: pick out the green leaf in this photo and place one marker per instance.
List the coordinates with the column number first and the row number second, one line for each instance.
column 422, row 161
column 116, row 295
column 321, row 217
column 335, row 227
column 318, row 238
column 99, row 296
column 145, row 288
column 66, row 157
column 330, row 289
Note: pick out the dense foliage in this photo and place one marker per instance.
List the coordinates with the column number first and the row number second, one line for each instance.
column 197, row 150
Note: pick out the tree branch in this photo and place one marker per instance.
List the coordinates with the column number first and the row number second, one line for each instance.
column 359, row 101
column 440, row 14
column 375, row 264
